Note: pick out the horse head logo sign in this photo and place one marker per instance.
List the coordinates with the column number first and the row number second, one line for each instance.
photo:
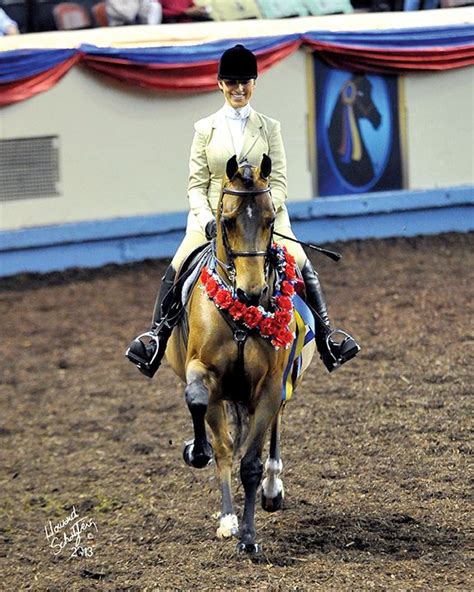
column 356, row 117
column 348, row 146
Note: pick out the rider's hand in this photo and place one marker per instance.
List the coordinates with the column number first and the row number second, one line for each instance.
column 211, row 229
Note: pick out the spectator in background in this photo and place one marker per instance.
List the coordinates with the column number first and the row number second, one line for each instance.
column 183, row 11
column 132, row 12
column 385, row 5
column 415, row 4
column 7, row 25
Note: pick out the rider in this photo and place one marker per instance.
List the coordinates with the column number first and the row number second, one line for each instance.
column 235, row 129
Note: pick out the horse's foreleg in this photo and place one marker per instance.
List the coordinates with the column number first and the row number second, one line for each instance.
column 223, row 451
column 272, row 486
column 198, row 452
column 251, row 471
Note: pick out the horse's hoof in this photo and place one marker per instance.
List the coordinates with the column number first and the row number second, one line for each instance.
column 249, row 549
column 272, row 504
column 197, row 461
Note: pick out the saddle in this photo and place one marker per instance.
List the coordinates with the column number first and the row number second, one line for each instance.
column 177, row 297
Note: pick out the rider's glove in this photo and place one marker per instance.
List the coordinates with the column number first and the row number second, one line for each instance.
column 211, row 230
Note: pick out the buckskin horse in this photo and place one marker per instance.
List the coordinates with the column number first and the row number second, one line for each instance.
column 241, row 331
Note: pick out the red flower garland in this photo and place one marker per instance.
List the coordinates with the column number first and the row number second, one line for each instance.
column 271, row 325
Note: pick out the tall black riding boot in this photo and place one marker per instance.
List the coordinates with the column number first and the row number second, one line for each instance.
column 147, row 350
column 334, row 345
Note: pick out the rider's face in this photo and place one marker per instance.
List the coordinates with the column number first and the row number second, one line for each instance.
column 237, row 93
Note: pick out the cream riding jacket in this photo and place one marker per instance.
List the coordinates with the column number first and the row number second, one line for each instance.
column 211, row 149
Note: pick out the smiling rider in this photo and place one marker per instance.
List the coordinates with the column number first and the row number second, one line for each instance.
column 235, row 129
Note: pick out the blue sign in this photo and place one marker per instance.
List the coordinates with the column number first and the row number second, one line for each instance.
column 357, row 132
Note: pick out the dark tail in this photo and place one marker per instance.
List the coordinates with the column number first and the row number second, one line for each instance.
column 240, row 420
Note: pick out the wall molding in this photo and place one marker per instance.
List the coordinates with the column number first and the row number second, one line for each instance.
column 320, row 220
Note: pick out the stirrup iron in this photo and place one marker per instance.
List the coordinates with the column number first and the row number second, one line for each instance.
column 348, row 348
column 137, row 353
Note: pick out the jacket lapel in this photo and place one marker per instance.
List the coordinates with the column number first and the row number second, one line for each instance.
column 222, row 131
column 251, row 133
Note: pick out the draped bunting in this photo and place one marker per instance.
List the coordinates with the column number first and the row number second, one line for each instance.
column 396, row 51
column 13, row 90
column 182, row 68
column 24, row 73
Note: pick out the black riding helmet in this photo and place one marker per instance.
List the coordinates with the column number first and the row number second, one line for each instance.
column 237, row 63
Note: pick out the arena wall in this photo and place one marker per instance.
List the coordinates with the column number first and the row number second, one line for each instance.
column 123, row 158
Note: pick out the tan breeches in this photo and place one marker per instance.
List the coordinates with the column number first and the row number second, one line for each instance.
column 193, row 239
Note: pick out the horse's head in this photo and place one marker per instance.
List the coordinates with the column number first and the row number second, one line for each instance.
column 245, row 219
column 347, row 144
column 358, row 90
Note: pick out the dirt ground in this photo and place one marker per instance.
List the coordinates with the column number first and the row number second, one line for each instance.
column 375, row 455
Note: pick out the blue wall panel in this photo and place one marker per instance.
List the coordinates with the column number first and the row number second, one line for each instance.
column 97, row 243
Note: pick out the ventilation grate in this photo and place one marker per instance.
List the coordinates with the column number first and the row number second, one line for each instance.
column 29, row 168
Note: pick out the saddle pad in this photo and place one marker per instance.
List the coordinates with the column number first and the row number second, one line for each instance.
column 194, row 269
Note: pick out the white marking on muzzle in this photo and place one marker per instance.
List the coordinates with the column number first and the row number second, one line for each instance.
column 249, row 211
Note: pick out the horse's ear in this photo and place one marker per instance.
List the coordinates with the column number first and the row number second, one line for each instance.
column 232, row 167
column 265, row 167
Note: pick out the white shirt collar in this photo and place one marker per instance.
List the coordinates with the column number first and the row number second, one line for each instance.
column 231, row 113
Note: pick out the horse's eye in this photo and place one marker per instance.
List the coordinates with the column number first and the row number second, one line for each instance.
column 229, row 223
column 268, row 222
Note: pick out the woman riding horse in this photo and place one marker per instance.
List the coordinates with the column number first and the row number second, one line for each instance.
column 236, row 129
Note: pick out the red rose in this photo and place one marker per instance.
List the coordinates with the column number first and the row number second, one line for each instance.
column 300, row 288
column 290, row 271
column 252, row 316
column 284, row 302
column 282, row 318
column 205, row 275
column 237, row 310
column 223, row 299
column 287, row 288
column 290, row 260
column 283, row 338
column 211, row 287
column 267, row 326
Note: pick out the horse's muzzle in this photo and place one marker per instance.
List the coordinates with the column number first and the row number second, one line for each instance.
column 251, row 299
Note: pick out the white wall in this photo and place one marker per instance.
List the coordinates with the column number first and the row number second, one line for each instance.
column 124, row 152
column 440, row 124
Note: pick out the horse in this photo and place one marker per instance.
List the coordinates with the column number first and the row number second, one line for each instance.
column 237, row 351
column 347, row 144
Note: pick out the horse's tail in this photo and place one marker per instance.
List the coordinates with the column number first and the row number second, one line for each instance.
column 239, row 417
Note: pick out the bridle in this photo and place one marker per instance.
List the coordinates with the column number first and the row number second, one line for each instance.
column 239, row 334
column 230, row 253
